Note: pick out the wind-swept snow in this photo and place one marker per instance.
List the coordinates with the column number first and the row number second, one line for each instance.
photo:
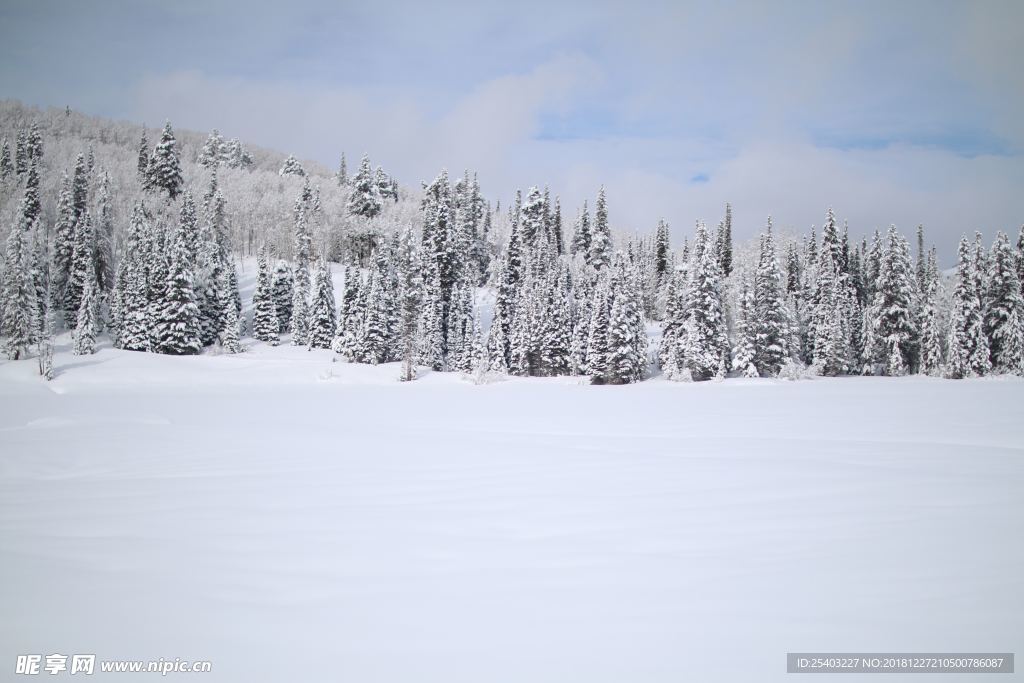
column 292, row 518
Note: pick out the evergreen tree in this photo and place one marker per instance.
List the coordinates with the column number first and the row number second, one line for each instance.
column 374, row 337
column 230, row 339
column 743, row 352
column 291, row 166
column 725, row 248
column 364, row 199
column 214, row 151
column 600, row 319
column 662, row 250
column 342, row 175
column 104, row 236
column 85, row 328
column 163, row 173
column 1004, row 314
column 581, row 233
column 83, row 263
column 409, row 297
column 601, row 239
column 264, row 318
column 771, row 321
column 894, row 304
column 142, row 165
column 6, row 162
column 931, row 326
column 19, row 308
column 32, row 208
column 281, row 288
column 705, row 342
column 178, row 329
column 322, row 318
column 967, row 346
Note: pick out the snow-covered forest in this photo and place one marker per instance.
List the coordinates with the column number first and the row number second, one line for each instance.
column 137, row 236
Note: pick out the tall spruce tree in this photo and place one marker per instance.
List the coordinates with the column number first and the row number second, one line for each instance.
column 163, row 173
column 601, row 238
column 771, row 330
column 322, row 313
column 265, row 323
column 1004, row 314
column 364, row 199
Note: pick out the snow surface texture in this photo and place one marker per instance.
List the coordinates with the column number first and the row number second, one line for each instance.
column 292, row 518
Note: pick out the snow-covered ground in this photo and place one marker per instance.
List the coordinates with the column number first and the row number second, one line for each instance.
column 295, row 519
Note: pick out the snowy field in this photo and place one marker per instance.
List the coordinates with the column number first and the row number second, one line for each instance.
column 294, row 519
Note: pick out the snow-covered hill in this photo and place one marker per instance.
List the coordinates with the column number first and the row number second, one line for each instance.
column 277, row 512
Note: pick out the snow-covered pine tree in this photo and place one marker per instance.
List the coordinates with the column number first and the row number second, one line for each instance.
column 894, row 306
column 178, row 327
column 626, row 359
column 746, row 323
column 705, row 342
column 600, row 319
column 32, row 207
column 430, row 339
column 581, row 233
column 6, row 162
column 104, row 236
column 409, row 297
column 291, row 166
column 230, row 338
column 601, row 239
column 264, row 317
column 85, row 327
column 931, row 324
column 829, row 340
column 20, row 305
column 163, row 173
column 771, row 320
column 725, row 246
column 322, row 318
column 364, row 200
column 1004, row 314
column 83, row 264
column 342, row 175
column 142, row 164
column 281, row 286
column 964, row 318
column 214, row 151
column 372, row 346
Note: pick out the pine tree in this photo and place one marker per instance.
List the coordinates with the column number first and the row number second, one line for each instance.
column 142, row 165
column 322, row 314
column 704, row 343
column 409, row 297
column 83, row 263
column 281, row 288
column 601, row 239
column 230, row 339
column 1004, row 314
column 264, row 318
column 32, row 208
column 104, row 236
column 771, row 321
column 373, row 340
column 931, row 328
column 19, row 308
column 214, row 151
column 178, row 329
column 85, row 328
column 600, row 319
column 725, row 248
column 6, row 162
column 291, row 166
column 966, row 330
column 342, row 175
column 581, row 233
column 365, row 197
column 163, row 173
column 894, row 304
column 743, row 352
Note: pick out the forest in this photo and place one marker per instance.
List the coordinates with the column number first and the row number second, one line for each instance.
column 136, row 235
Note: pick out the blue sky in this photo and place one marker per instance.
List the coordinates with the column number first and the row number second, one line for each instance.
column 891, row 112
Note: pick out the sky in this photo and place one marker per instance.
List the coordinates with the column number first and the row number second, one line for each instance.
column 904, row 113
